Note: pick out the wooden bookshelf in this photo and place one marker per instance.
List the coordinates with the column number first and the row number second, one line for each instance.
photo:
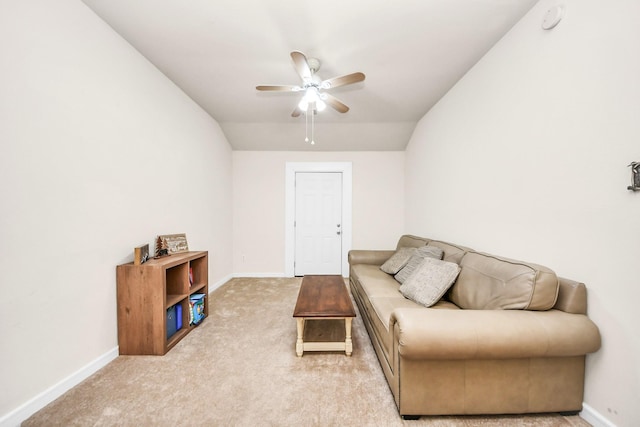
column 147, row 291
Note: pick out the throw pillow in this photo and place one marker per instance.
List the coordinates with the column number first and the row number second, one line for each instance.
column 421, row 253
column 429, row 282
column 398, row 260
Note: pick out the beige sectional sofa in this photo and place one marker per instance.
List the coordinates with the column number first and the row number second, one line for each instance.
column 508, row 337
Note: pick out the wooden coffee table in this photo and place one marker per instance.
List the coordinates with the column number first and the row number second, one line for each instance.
column 323, row 297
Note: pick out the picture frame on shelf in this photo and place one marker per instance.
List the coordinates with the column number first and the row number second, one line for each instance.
column 174, row 243
column 141, row 254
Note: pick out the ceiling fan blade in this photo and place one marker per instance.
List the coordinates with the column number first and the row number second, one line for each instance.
column 334, row 103
column 296, row 112
column 279, row 88
column 342, row 80
column 302, row 66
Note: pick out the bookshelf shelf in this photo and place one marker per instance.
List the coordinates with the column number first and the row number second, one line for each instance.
column 197, row 288
column 174, row 299
column 145, row 294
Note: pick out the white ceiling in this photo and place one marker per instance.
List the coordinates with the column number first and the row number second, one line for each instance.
column 412, row 52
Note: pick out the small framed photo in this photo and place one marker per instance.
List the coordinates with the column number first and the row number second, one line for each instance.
column 174, row 243
column 141, row 254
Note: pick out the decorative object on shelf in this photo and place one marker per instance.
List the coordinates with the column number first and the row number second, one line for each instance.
column 161, row 248
column 635, row 176
column 174, row 243
column 141, row 254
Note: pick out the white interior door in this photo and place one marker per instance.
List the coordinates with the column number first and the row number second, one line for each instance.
column 318, row 223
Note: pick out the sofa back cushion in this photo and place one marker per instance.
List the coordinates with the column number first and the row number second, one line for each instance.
column 488, row 282
column 452, row 253
column 409, row 241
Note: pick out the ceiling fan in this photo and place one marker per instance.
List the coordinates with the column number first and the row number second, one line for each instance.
column 315, row 97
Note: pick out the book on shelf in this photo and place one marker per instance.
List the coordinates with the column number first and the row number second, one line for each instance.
column 171, row 321
column 178, row 317
column 196, row 301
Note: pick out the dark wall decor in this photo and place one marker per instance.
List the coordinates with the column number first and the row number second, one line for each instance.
column 635, row 176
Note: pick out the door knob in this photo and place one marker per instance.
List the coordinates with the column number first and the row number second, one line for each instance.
column 337, row 232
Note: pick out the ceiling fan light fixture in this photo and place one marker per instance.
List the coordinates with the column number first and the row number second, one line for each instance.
column 314, row 100
column 311, row 96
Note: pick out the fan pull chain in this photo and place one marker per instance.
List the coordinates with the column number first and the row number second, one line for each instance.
column 306, row 125
column 312, row 122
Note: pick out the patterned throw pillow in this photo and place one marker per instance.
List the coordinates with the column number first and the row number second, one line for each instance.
column 398, row 260
column 422, row 253
column 429, row 282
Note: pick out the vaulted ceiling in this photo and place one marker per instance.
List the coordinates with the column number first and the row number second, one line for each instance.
column 217, row 51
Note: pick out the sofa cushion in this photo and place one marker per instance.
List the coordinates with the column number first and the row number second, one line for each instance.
column 410, row 241
column 416, row 259
column 398, row 260
column 429, row 282
column 490, row 282
column 375, row 282
column 452, row 253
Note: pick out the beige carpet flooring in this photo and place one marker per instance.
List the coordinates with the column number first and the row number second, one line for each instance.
column 239, row 368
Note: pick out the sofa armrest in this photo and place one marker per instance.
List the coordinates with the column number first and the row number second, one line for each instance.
column 423, row 333
column 372, row 257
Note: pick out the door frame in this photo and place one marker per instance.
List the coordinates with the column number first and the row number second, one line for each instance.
column 291, row 168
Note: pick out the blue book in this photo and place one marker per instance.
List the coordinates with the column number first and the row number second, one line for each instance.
column 178, row 316
column 171, row 321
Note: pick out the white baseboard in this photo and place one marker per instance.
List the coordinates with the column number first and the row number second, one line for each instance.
column 270, row 275
column 594, row 418
column 24, row 411
column 217, row 284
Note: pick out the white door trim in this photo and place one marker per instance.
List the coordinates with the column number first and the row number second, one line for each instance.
column 290, row 208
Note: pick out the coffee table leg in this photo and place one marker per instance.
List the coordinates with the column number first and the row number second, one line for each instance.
column 348, row 345
column 300, row 343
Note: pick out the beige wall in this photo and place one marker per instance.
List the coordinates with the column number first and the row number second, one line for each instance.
column 527, row 157
column 99, row 153
column 259, row 204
